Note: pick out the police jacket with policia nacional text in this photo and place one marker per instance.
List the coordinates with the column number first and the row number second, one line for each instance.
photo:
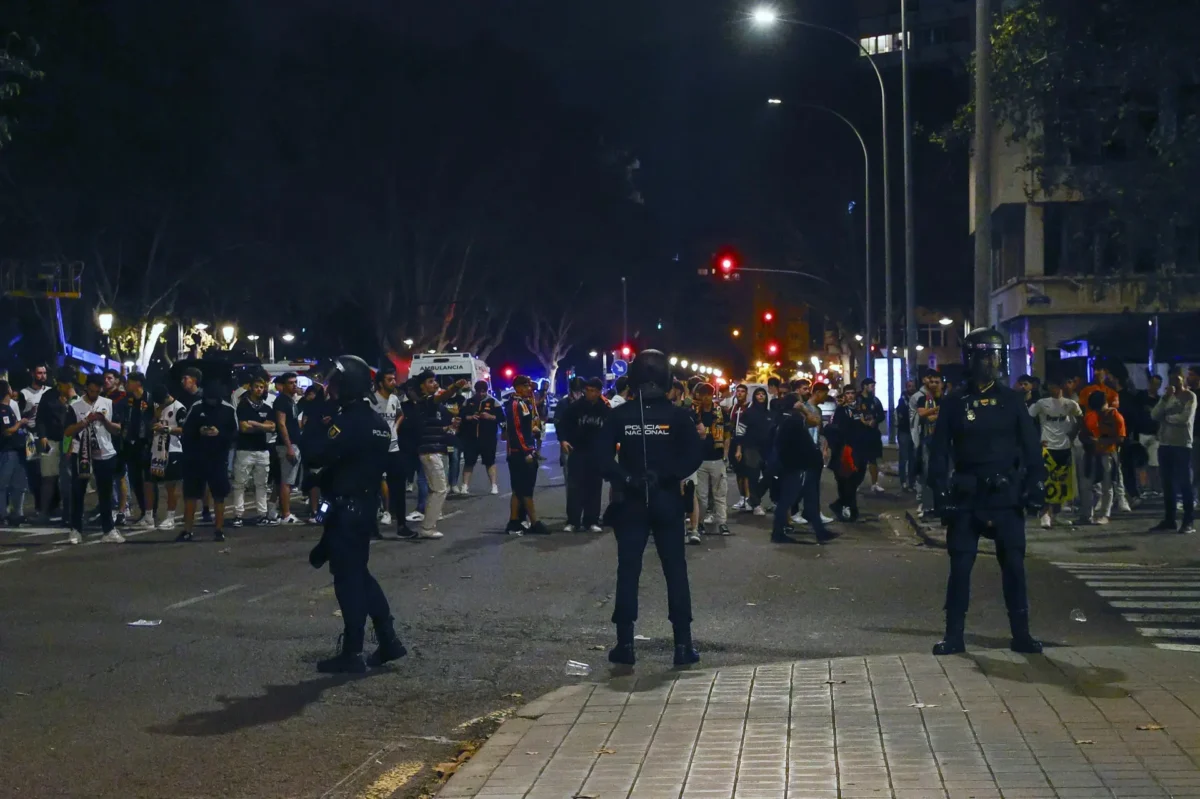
column 667, row 446
column 356, row 452
column 989, row 434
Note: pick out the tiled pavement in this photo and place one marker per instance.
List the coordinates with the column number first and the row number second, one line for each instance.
column 990, row 724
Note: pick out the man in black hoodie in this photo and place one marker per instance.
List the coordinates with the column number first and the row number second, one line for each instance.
column 208, row 437
column 578, row 434
column 795, row 461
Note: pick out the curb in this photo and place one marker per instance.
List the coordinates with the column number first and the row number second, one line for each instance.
column 928, row 533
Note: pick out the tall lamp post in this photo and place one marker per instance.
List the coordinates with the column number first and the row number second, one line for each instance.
column 866, row 213
column 765, row 17
column 105, row 320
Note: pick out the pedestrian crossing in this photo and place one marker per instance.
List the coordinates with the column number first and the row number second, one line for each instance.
column 1162, row 602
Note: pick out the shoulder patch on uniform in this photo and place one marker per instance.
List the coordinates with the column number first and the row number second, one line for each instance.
column 334, row 431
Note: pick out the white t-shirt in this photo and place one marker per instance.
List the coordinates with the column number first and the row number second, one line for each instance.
column 388, row 409
column 617, row 401
column 237, row 394
column 102, row 443
column 1058, row 420
column 32, row 397
column 172, row 416
column 269, row 401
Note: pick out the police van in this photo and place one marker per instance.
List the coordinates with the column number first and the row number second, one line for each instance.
column 450, row 367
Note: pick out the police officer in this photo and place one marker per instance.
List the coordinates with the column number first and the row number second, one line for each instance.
column 659, row 448
column 353, row 461
column 998, row 473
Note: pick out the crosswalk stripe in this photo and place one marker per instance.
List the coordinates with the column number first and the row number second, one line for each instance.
column 8, row 560
column 1121, row 567
column 1178, row 618
column 1146, row 584
column 1169, row 632
column 1178, row 647
column 1156, row 605
column 1151, row 593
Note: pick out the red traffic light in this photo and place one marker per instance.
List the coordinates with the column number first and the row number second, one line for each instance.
column 769, row 316
column 508, row 372
column 772, row 348
column 726, row 262
column 626, row 351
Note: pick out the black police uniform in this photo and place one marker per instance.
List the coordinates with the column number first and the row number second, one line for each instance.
column 659, row 448
column 353, row 461
column 998, row 471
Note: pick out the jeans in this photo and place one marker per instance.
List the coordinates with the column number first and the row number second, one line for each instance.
column 906, row 460
column 250, row 465
column 422, row 486
column 711, row 481
column 796, row 486
column 435, row 474
column 1175, row 470
column 398, row 472
column 104, row 472
column 1098, row 485
column 13, row 484
column 454, row 474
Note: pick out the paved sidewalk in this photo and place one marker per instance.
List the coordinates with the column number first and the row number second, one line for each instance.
column 1077, row 724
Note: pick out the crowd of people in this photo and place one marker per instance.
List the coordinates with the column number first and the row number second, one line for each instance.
column 1108, row 446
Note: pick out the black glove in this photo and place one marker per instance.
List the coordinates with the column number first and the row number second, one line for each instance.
column 943, row 505
column 319, row 555
column 1035, row 497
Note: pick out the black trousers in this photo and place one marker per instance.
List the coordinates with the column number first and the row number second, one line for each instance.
column 348, row 533
column 847, row 489
column 105, row 473
column 584, row 487
column 136, row 456
column 633, row 523
column 1175, row 470
column 1007, row 527
column 399, row 471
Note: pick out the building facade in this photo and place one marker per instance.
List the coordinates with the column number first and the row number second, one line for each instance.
column 941, row 32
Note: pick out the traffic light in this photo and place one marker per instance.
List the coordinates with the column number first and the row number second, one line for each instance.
column 726, row 263
column 508, row 372
column 769, row 316
column 626, row 351
column 772, row 348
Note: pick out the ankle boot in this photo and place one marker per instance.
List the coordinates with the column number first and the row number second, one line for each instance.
column 952, row 643
column 390, row 648
column 623, row 652
column 1022, row 641
column 685, row 652
column 349, row 660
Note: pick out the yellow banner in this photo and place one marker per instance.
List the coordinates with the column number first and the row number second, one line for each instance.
column 1060, row 480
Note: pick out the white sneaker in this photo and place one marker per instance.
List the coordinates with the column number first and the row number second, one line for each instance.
column 740, row 504
column 595, row 528
column 845, row 515
column 877, row 488
column 1101, row 520
column 1046, row 521
column 113, row 538
column 429, row 534
column 291, row 519
column 1124, row 506
column 495, row 489
column 709, row 518
column 464, row 490
column 456, row 490
column 415, row 516
column 570, row 528
column 167, row 523
column 758, row 511
column 1061, row 522
column 74, row 537
column 385, row 519
column 526, row 525
column 827, row 519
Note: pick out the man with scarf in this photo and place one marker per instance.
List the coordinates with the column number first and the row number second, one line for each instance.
column 95, row 427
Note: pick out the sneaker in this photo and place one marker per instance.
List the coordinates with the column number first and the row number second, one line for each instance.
column 218, row 535
column 758, row 511
column 415, row 516
column 1046, row 521
column 119, row 521
column 74, row 537
column 431, row 534
column 385, row 519
column 1123, row 506
column 495, row 489
column 167, row 523
column 539, row 529
column 692, row 537
column 464, row 490
column 291, row 519
column 595, row 528
column 525, row 525
column 827, row 519
column 1102, row 520
column 184, row 537
column 724, row 529
column 113, row 537
column 514, row 528
column 145, row 522
column 708, row 518
column 1061, row 522
column 407, row 533
column 799, row 519
column 270, row 521
column 1187, row 529
column 846, row 514
column 236, row 523
column 740, row 504
column 570, row 528
column 877, row 488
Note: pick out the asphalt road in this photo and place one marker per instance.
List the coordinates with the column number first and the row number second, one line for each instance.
column 222, row 699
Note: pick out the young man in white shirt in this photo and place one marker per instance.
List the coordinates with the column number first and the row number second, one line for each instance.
column 30, row 397
column 252, row 459
column 166, row 451
column 1059, row 419
column 96, row 457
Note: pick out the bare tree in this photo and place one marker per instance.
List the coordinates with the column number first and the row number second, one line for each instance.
column 548, row 340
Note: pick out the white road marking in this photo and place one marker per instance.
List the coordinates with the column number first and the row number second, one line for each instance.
column 1139, row 590
column 1158, row 605
column 1145, row 584
column 52, row 551
column 1169, row 632
column 280, row 590
column 1151, row 593
column 1180, row 647
column 449, row 515
column 1178, row 618
column 8, row 560
column 184, row 603
column 11, row 551
column 43, row 531
column 133, row 534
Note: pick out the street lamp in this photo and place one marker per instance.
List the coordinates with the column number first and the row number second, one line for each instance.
column 945, row 321
column 200, row 326
column 736, row 332
column 774, row 101
column 673, row 361
column 288, row 337
column 684, row 364
column 593, row 354
column 767, row 16
column 254, row 337
column 105, row 320
column 858, row 337
column 228, row 333
column 408, row 342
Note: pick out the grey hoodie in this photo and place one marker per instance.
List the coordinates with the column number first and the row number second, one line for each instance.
column 1175, row 416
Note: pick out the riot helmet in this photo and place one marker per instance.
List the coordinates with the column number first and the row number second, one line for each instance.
column 350, row 380
column 985, row 354
column 650, row 374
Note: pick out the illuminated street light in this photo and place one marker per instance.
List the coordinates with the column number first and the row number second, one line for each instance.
column 816, row 362
column 228, row 332
column 920, row 348
column 288, row 337
column 683, row 364
column 945, row 321
column 105, row 319
column 129, row 365
column 764, row 16
column 408, row 342
column 774, row 101
column 858, row 337
column 717, row 372
column 673, row 361
column 201, row 326
column 736, row 332
column 252, row 337
column 593, row 354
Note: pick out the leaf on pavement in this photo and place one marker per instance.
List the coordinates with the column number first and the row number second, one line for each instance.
column 1085, row 741
column 597, row 647
column 921, row 705
column 338, row 613
column 1151, row 727
column 606, row 751
column 513, row 695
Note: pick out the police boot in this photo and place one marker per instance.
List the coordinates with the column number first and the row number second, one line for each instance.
column 349, row 660
column 389, row 648
column 623, row 652
column 1022, row 641
column 685, row 652
column 952, row 643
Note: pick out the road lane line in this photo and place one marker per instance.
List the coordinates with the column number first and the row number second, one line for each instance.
column 1147, row 584
column 184, row 603
column 42, row 532
column 1137, row 592
column 1169, row 632
column 450, row 515
column 1179, row 618
column 1157, row 605
column 8, row 560
column 133, row 534
column 11, row 551
column 281, row 589
column 1180, row 647
column 52, row 551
